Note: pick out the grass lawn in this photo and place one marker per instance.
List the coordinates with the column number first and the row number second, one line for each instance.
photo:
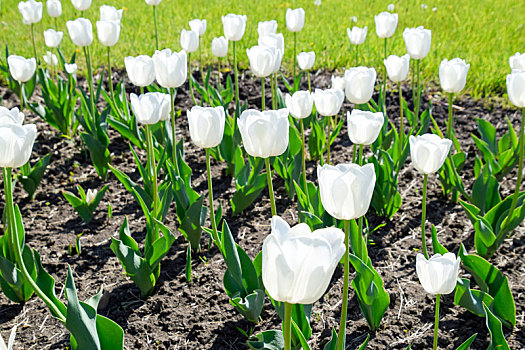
column 484, row 32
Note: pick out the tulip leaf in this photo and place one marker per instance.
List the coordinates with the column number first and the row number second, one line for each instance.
column 99, row 152
column 466, row 344
column 31, row 180
column 471, row 299
column 438, row 248
column 497, row 339
column 485, row 191
column 247, row 194
column 386, row 199
column 250, row 307
column 297, row 332
column 46, row 283
column 267, row 340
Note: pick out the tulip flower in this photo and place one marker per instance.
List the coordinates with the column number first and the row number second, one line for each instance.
column 306, row 61
column 81, row 5
column 198, row 26
column 11, row 116
column 264, row 135
column 386, row 24
column 54, row 8
column 517, row 62
column 51, row 59
column 357, row 36
column 391, row 8
column 295, row 23
column 31, row 13
column 140, row 69
column 273, row 40
column 516, row 88
column 71, row 68
column 110, row 13
column 338, row 83
column 108, row 32
column 22, row 70
column 189, row 41
column 359, row 84
column 219, row 47
column 438, row 275
column 328, row 104
column 267, row 27
column 289, row 273
column 52, row 38
column 364, row 126
column 153, row 2
column 16, row 144
column 262, row 63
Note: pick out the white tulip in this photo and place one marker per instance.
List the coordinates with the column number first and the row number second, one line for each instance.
column 386, row 24
column 353, row 19
column 21, row 69
column 71, row 68
column 300, row 104
column 219, row 46
column 338, row 83
column 264, row 134
column 91, row 195
column 51, row 59
column 81, row 5
column 16, row 144
column 357, row 35
column 346, row 189
column 140, row 69
column 295, row 19
column 11, row 116
column 198, row 26
column 428, row 152
column 359, row 84
column 306, row 60
column 318, row 2
column 189, row 40
column 151, row 107
column 439, row 274
column 171, row 68
column 272, row 40
column 153, row 2
column 262, row 60
column 206, row 125
column 110, row 13
column 453, row 75
column 31, row 11
column 81, row 31
column 517, row 61
column 516, row 87
column 391, row 8
column 417, row 41
column 364, row 126
column 108, row 32
column 397, row 67
column 234, row 26
column 328, row 102
column 52, row 38
column 267, row 27
column 289, row 271
column 54, row 8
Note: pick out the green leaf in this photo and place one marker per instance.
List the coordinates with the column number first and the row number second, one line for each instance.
column 31, row 181
column 250, row 307
column 46, row 283
column 466, row 344
column 267, row 340
column 471, row 299
column 497, row 339
column 437, row 247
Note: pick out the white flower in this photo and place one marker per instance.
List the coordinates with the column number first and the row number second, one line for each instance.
column 91, row 195
column 417, row 41
column 357, row 35
column 364, row 126
column 300, row 104
column 439, row 274
column 16, row 144
column 328, row 102
column 219, row 46
column 234, row 26
column 110, row 13
column 198, row 26
column 31, row 11
column 295, row 19
column 397, row 67
column 108, row 32
column 338, row 83
column 453, row 75
column 306, row 60
column 21, row 69
column 81, row 5
column 386, row 24
column 189, row 40
column 52, row 38
column 71, row 68
column 428, row 152
column 359, row 84
column 171, row 68
column 267, row 27
column 140, row 69
column 206, row 125
column 54, row 8
column 151, row 107
column 11, row 116
column 81, row 31
column 51, row 59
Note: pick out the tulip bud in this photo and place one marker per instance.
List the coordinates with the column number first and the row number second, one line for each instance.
column 71, row 68
column 318, row 2
column 21, row 69
column 289, row 272
column 353, row 19
column 198, row 26
column 108, row 32
column 219, row 46
column 91, row 194
column 11, row 116
column 81, row 5
column 391, row 8
column 516, row 87
column 262, row 60
column 453, row 75
column 16, row 144
column 338, row 83
column 189, row 40
column 267, row 27
column 171, row 68
column 300, row 104
column 153, row 2
column 278, row 60
column 386, row 24
column 439, row 274
column 31, row 11
column 264, row 134
column 359, row 84
column 328, row 102
column 51, row 59
column 295, row 19
column 110, row 13
column 397, row 67
column 54, row 8
column 428, row 152
column 52, row 38
column 234, row 26
column 517, row 61
column 346, row 189
column 306, row 60
column 357, row 35
column 417, row 41
column 364, row 126
column 206, row 125
column 81, row 31
column 272, row 40
column 151, row 107
column 140, row 69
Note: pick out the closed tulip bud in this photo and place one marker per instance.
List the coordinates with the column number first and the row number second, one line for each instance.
column 272, row 40
column 517, row 61
column 81, row 31
column 52, row 38
column 151, row 107
column 338, row 83
column 108, row 32
column 264, row 134
column 428, row 152
column 153, row 2
column 300, row 104
column 417, row 41
column 328, row 102
column 110, row 13
column 219, row 46
column 289, row 272
column 11, row 116
column 91, row 194
column 51, row 59
column 54, row 8
column 439, row 274
column 267, row 27
column 16, row 144
column 516, row 87
column 234, row 26
column 391, row 8
column 262, row 60
column 386, row 24
column 453, row 75
column 346, row 189
column 31, row 11
column 397, row 67
column 21, row 69
column 364, row 126
column 295, row 20
column 189, row 40
column 171, row 68
column 81, row 5
column 359, row 84
column 357, row 35
column 140, row 69
column 306, row 60
column 71, row 68
column 317, row 2
column 198, row 26
column 206, row 125
column 278, row 60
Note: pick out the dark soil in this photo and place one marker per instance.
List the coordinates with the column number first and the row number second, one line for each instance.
column 197, row 315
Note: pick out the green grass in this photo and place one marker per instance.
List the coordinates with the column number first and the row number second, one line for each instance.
column 484, row 32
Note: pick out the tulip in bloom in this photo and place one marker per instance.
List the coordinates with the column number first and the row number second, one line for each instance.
column 289, row 272
column 52, row 38
column 306, row 60
column 234, row 26
column 91, row 194
column 428, row 152
column 54, row 8
column 516, row 87
column 51, row 59
column 386, row 24
column 108, row 32
column 16, row 144
column 171, row 68
column 206, row 125
column 267, row 27
column 219, row 46
column 81, row 31
column 453, row 75
column 338, row 83
column 328, row 102
column 438, row 275
column 189, row 40
column 364, row 126
column 391, row 8
column 71, row 68
column 150, row 108
column 300, row 104
column 272, row 40
column 353, row 19
column 264, row 134
column 11, row 116
column 198, row 26
column 517, row 61
column 140, row 69
column 295, row 19
column 153, row 2
column 21, row 69
column 417, row 41
column 397, row 67
column 262, row 60
column 110, row 13
column 346, row 189
column 359, row 84
column 357, row 35
column 81, row 5
column 31, row 11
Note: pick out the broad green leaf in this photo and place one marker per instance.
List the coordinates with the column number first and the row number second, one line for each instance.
column 497, row 339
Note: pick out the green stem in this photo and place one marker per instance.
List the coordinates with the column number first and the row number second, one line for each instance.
column 236, row 114
column 21, row 97
column 270, row 185
column 401, row 123
column 360, row 161
column 357, row 55
column 210, row 196
column 90, row 83
column 384, row 78
column 309, row 84
column 424, row 216
column 34, row 45
column 304, row 159
column 450, row 116
column 156, row 32
column 328, row 133
column 152, row 168
column 274, row 92
column 287, row 326
column 219, row 76
column 56, row 24
column 418, row 100
column 436, row 321
column 110, row 78
column 175, row 159
column 294, row 55
column 354, row 152
column 341, row 336
column 189, row 79
column 263, row 107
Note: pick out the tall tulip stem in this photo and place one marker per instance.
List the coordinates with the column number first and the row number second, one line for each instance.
column 90, row 83
column 357, row 55
column 328, row 133
column 424, row 216
column 287, row 327
column 418, row 98
column 152, row 168
column 270, row 185
column 156, row 31
column 34, row 45
column 263, row 102
column 173, row 135
column 237, row 108
column 210, row 196
column 354, row 152
column 190, row 76
column 450, row 116
column 56, row 24
column 309, row 83
column 21, row 97
column 436, row 322
column 401, row 121
column 341, row 336
column 384, row 78
column 110, row 78
column 272, row 87
column 294, row 55
column 360, row 162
